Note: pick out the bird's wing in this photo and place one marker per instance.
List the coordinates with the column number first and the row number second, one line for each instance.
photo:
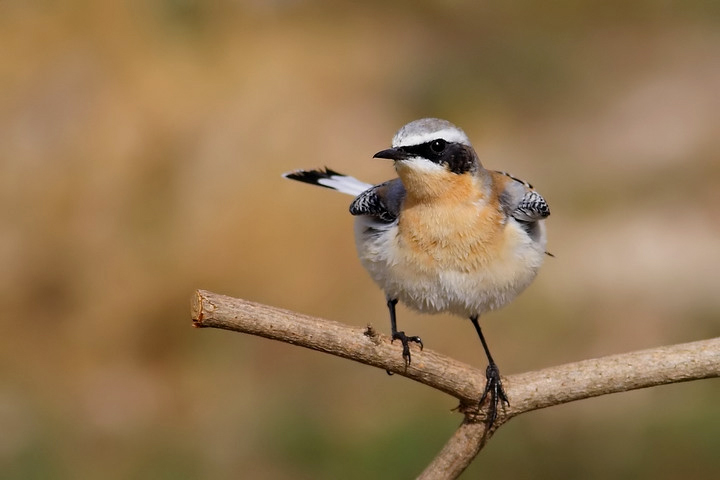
column 532, row 208
column 519, row 200
column 380, row 201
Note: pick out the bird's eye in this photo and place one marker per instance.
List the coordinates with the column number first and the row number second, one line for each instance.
column 437, row 146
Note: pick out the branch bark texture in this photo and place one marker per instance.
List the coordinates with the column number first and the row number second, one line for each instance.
column 527, row 391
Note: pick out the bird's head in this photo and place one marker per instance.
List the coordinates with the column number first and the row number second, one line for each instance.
column 431, row 156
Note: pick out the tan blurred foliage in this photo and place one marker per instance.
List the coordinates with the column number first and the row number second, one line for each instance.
column 141, row 146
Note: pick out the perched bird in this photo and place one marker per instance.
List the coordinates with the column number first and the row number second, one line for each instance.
column 447, row 235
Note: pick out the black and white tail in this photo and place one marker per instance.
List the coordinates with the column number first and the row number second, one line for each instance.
column 330, row 179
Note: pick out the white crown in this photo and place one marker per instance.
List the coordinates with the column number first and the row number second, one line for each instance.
column 426, row 130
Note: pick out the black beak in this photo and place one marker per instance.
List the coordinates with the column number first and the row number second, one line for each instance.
column 392, row 154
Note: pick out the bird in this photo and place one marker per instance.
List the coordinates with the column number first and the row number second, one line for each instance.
column 445, row 235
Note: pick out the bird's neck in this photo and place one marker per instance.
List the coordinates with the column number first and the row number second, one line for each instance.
column 440, row 186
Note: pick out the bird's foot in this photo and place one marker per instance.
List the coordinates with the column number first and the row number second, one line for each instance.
column 493, row 389
column 405, row 340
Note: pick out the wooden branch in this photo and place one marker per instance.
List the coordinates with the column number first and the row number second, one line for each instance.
column 526, row 391
column 459, row 451
column 363, row 345
column 576, row 381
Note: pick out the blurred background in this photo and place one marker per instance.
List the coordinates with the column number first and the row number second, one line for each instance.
column 141, row 147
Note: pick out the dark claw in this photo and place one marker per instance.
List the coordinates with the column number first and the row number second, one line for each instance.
column 405, row 340
column 494, row 388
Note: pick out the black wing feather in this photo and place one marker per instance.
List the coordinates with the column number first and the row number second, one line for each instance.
column 381, row 201
column 532, row 208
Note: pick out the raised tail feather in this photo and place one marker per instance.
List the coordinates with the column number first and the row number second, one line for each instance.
column 330, row 179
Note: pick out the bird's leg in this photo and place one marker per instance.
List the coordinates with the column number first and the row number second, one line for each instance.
column 404, row 339
column 493, row 387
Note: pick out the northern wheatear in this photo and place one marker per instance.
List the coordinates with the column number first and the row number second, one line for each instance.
column 448, row 235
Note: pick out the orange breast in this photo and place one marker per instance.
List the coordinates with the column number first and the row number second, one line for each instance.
column 458, row 230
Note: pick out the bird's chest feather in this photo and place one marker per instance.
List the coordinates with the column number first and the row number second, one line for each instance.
column 457, row 234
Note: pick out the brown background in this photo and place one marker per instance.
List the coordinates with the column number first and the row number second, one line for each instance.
column 141, row 147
